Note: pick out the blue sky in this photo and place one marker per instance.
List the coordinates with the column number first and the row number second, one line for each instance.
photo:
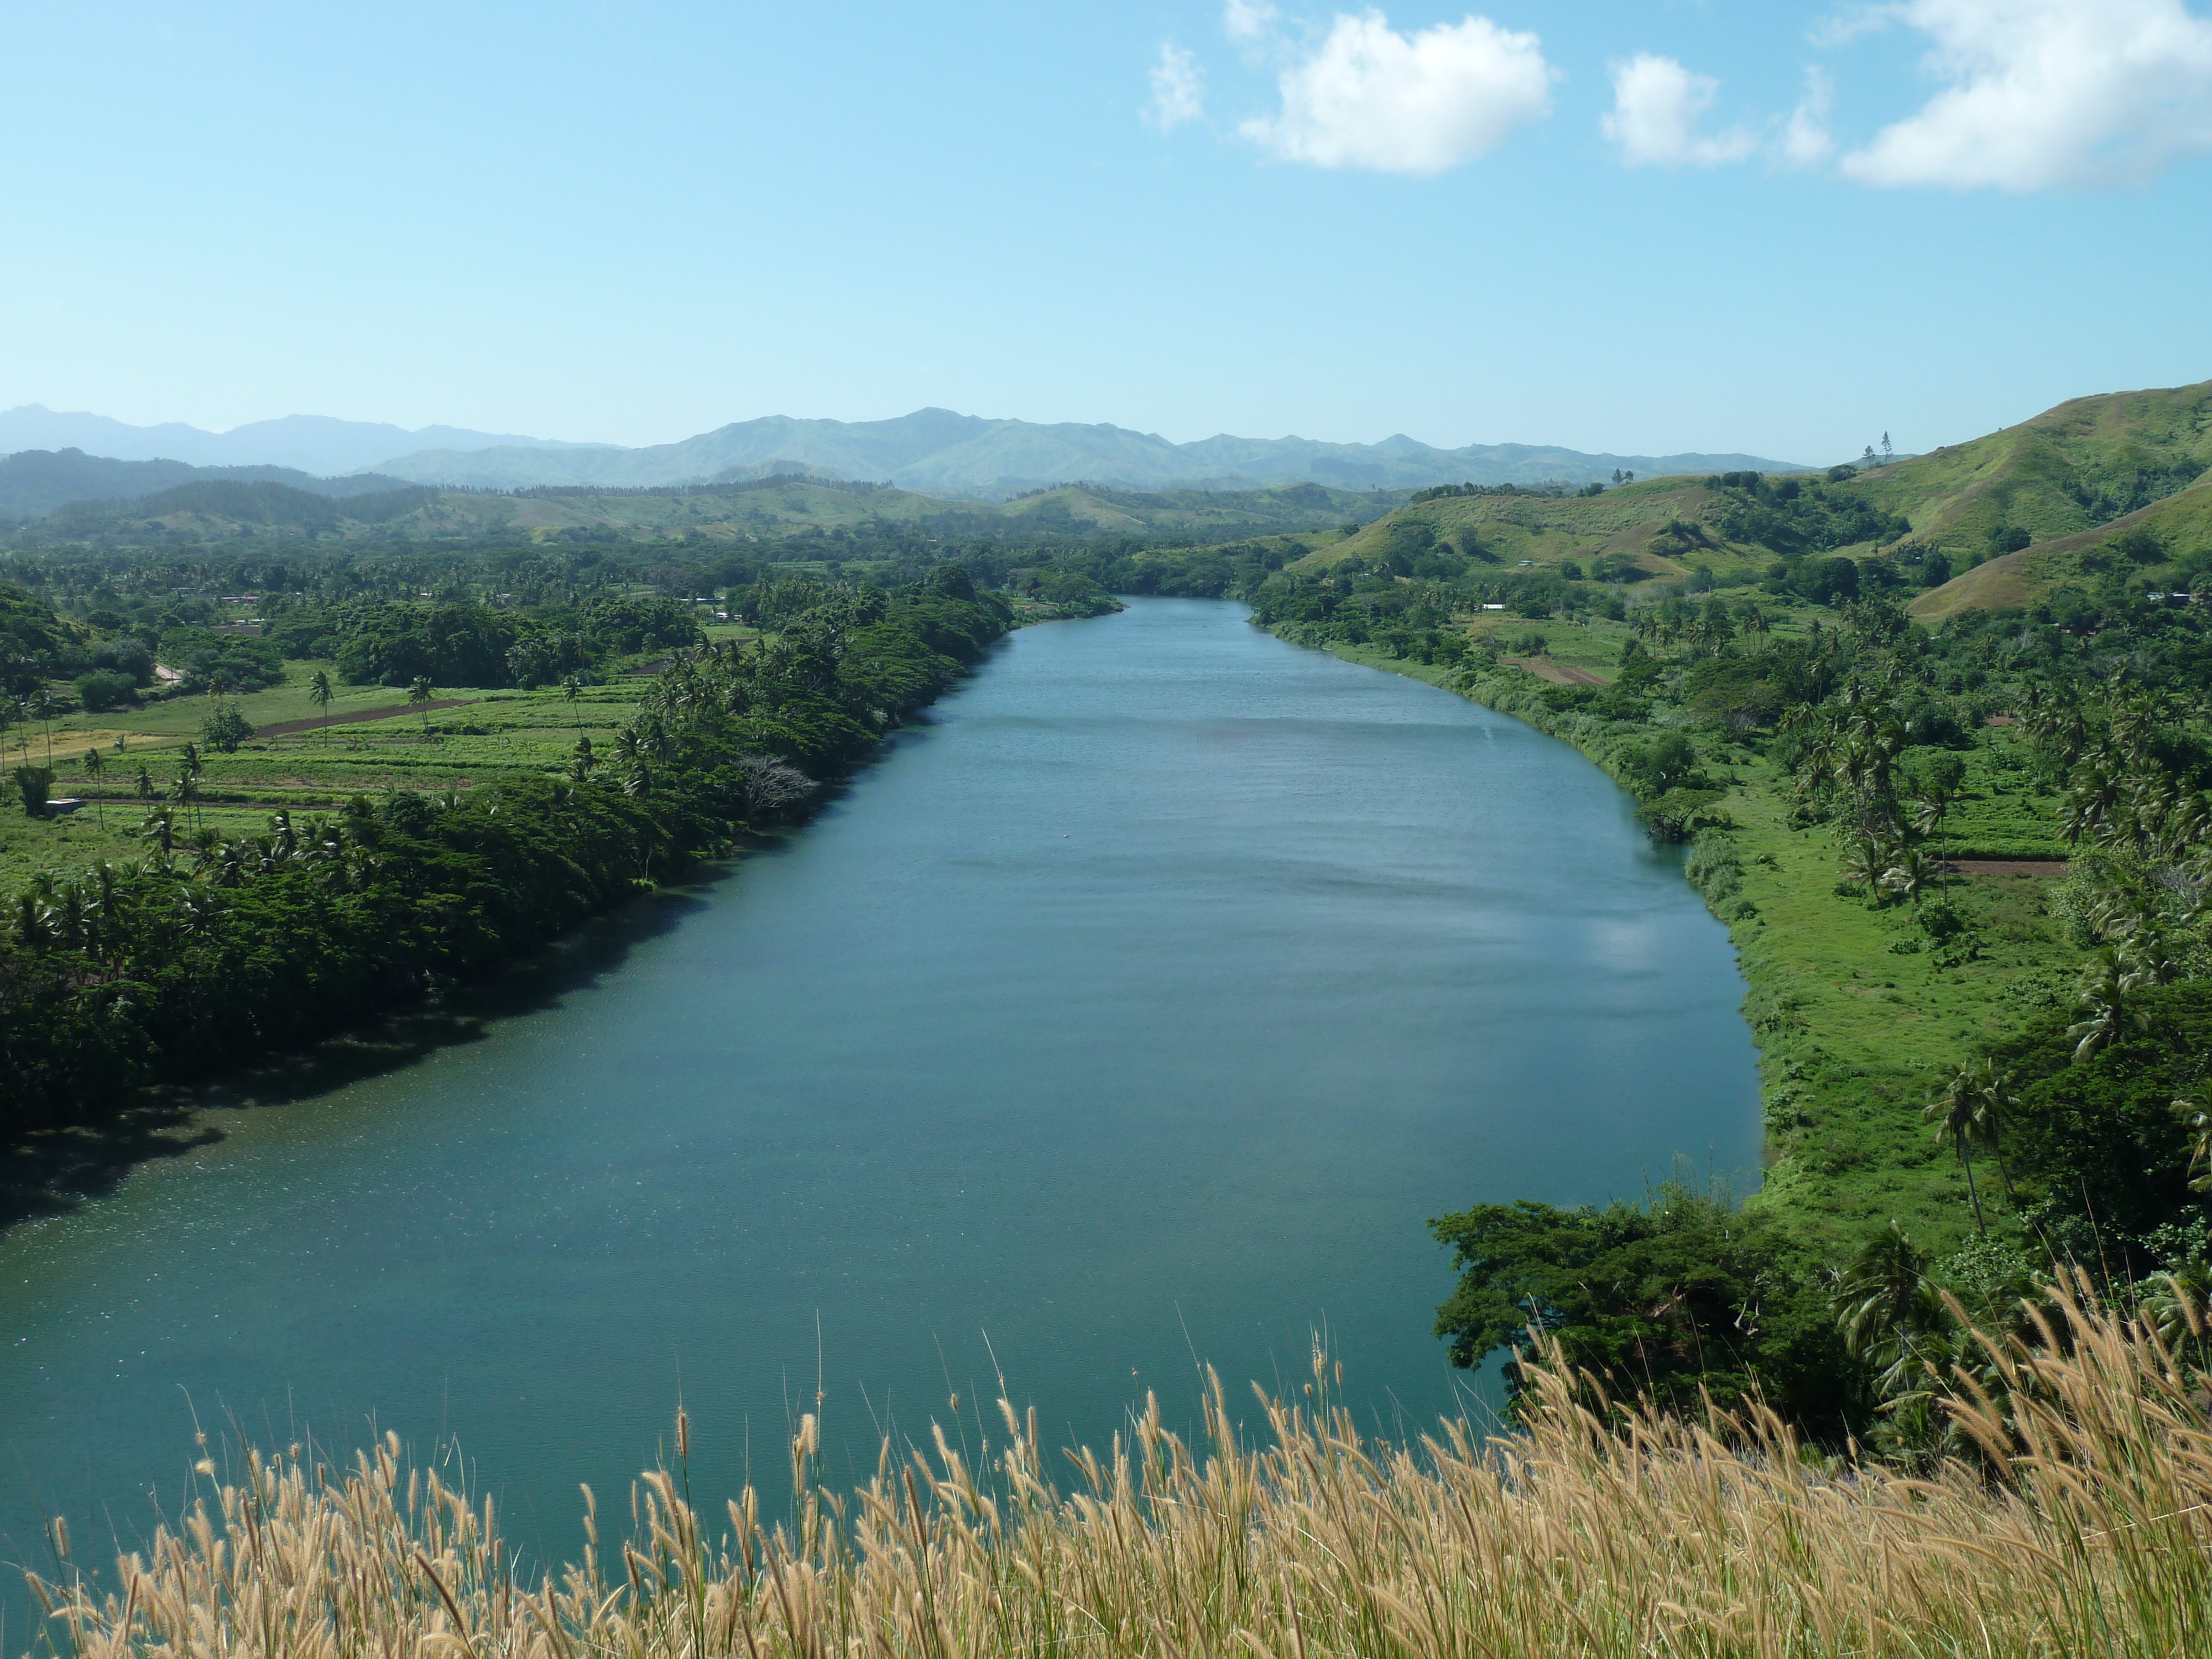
column 1640, row 228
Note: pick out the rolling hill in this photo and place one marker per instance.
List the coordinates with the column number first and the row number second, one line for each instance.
column 2089, row 472
column 771, row 507
column 36, row 482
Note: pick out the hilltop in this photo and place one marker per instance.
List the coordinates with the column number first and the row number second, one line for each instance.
column 2101, row 486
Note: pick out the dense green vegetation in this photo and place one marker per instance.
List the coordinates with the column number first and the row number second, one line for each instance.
column 212, row 946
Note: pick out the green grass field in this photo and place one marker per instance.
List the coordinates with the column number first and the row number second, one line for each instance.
column 491, row 733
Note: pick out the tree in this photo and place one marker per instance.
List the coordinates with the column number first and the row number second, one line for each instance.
column 1663, row 763
column 420, row 693
column 1887, row 453
column 2107, row 1013
column 94, row 765
column 1883, row 1299
column 35, row 784
column 572, row 688
column 42, row 707
column 1908, row 874
column 1685, row 1299
column 226, row 729
column 320, row 693
column 1957, row 1116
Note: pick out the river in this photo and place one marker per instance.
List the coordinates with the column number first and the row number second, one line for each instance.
column 1142, row 1005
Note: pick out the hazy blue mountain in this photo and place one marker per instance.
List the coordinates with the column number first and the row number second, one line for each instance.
column 313, row 443
column 933, row 450
column 938, row 452
column 35, row 482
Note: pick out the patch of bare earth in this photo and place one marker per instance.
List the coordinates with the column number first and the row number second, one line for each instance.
column 1558, row 673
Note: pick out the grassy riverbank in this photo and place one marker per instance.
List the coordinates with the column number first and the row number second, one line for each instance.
column 1857, row 1020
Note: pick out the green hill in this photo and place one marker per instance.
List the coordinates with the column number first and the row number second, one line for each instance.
column 2095, row 484
column 769, row 508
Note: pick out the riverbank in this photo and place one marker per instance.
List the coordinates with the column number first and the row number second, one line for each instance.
column 1858, row 1018
column 220, row 945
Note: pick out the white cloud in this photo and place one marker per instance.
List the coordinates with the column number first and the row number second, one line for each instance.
column 1370, row 97
column 1178, row 88
column 1805, row 139
column 1656, row 105
column 1247, row 21
column 2049, row 92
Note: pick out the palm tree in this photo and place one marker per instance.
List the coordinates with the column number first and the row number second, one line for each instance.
column 144, row 785
column 93, row 764
column 2105, row 1015
column 1883, row 1299
column 420, row 694
column 159, row 826
column 1908, row 874
column 1865, row 863
column 2200, row 1145
column 572, row 688
column 42, row 706
column 320, row 693
column 1956, row 1113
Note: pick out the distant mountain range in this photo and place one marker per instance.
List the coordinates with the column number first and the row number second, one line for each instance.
column 933, row 450
column 311, row 443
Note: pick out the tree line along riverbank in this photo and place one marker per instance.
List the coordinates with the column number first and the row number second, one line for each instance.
column 340, row 870
column 1963, row 870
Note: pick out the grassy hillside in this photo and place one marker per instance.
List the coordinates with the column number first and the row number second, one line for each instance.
column 2113, row 487
column 740, row 511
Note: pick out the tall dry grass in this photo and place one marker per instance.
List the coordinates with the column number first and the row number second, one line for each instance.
column 2083, row 1526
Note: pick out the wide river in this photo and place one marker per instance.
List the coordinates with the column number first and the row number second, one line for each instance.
column 1143, row 1004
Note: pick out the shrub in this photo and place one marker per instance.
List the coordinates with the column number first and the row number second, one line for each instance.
column 226, row 729
column 106, row 688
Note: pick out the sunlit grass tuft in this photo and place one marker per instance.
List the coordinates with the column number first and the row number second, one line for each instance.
column 2083, row 1525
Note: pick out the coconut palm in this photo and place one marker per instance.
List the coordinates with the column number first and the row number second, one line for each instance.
column 2106, row 1015
column 159, row 827
column 420, row 693
column 94, row 765
column 572, row 690
column 42, row 709
column 1865, row 863
column 1883, row 1299
column 1909, row 873
column 320, row 693
column 1957, row 1115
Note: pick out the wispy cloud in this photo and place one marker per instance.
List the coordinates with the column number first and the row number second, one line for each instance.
column 1247, row 21
column 2044, row 94
column 1368, row 96
column 1805, row 140
column 1178, row 88
column 1657, row 104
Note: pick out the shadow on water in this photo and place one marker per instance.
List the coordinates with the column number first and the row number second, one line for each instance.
column 53, row 1171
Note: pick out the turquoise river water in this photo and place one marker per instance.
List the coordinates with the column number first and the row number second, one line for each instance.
column 1143, row 1004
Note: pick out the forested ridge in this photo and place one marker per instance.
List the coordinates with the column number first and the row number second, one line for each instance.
column 209, row 949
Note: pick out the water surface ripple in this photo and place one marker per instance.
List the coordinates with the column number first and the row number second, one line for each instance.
column 1146, row 1001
